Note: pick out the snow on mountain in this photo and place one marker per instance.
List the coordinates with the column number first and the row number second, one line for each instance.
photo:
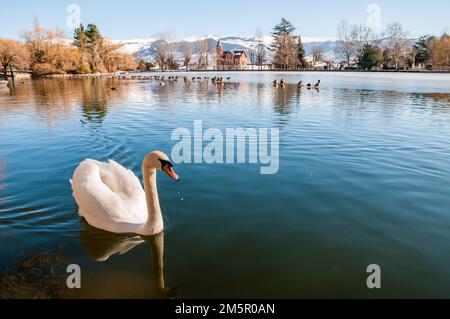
column 145, row 48
column 318, row 39
column 195, row 38
column 135, row 45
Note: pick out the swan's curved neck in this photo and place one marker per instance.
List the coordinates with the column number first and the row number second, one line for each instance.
column 154, row 223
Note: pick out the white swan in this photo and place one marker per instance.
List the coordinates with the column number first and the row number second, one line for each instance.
column 110, row 197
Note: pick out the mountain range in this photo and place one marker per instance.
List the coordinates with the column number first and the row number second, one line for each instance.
column 146, row 48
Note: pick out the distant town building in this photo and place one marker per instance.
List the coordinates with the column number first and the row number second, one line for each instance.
column 230, row 60
column 322, row 65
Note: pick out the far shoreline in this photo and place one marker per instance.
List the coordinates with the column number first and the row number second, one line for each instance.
column 125, row 73
column 18, row 75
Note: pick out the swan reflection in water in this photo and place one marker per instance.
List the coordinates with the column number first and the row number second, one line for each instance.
column 100, row 245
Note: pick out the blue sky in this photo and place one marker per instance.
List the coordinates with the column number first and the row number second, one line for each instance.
column 141, row 19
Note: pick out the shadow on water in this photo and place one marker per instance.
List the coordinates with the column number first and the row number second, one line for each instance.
column 100, row 246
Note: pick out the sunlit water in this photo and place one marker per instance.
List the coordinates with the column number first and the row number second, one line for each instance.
column 364, row 179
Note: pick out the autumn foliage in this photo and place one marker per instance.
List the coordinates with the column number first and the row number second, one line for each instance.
column 12, row 53
column 441, row 52
column 47, row 51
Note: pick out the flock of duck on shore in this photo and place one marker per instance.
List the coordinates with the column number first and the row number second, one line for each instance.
column 300, row 84
column 217, row 80
column 187, row 80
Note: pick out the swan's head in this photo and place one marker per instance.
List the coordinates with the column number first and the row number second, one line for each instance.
column 159, row 160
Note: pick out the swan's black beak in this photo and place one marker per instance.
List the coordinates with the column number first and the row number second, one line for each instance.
column 169, row 171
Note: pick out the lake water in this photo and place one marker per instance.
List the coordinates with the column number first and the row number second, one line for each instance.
column 364, row 179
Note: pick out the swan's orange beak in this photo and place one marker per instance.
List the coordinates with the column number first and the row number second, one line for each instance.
column 169, row 171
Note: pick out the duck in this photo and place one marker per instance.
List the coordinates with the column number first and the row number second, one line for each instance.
column 300, row 84
column 317, row 85
column 283, row 83
column 308, row 86
column 111, row 198
column 275, row 83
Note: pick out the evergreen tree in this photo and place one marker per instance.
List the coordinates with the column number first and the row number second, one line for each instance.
column 93, row 36
column 371, row 57
column 284, row 27
column 94, row 42
column 79, row 38
column 80, row 41
column 301, row 54
column 422, row 47
column 284, row 45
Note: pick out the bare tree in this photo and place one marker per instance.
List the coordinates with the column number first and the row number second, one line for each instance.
column 347, row 40
column 396, row 43
column 171, row 57
column 162, row 52
column 411, row 57
column 317, row 54
column 260, row 49
column 203, row 55
column 432, row 48
column 252, row 57
column 187, row 54
column 363, row 36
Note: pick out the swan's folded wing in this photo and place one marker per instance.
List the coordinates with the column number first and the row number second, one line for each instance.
column 108, row 193
column 120, row 179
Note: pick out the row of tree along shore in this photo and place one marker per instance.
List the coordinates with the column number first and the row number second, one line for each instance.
column 361, row 48
column 46, row 52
